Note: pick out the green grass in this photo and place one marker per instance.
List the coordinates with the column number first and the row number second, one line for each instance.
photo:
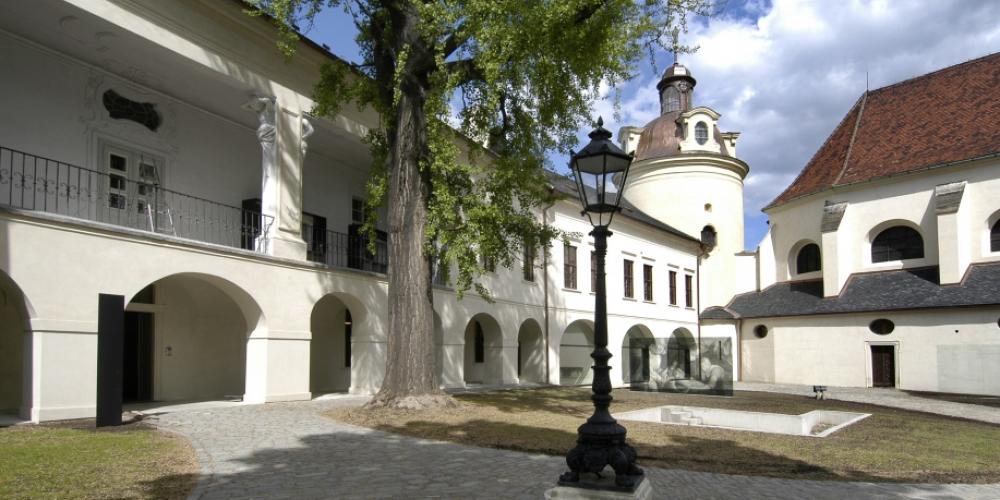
column 73, row 460
column 891, row 445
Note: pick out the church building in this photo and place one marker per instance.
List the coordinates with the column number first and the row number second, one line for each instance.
column 881, row 266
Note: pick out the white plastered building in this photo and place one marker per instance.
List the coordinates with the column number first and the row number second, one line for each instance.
column 881, row 266
column 163, row 151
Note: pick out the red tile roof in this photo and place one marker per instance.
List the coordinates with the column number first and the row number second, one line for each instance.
column 936, row 119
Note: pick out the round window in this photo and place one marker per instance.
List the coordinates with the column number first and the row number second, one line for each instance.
column 881, row 327
column 760, row 331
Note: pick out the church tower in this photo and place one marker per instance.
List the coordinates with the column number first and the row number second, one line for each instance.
column 687, row 175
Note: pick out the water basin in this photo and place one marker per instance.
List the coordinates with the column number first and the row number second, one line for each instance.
column 816, row 423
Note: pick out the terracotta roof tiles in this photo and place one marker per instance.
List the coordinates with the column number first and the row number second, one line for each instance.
column 936, row 119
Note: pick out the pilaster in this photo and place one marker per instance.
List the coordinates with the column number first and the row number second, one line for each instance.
column 952, row 237
column 836, row 249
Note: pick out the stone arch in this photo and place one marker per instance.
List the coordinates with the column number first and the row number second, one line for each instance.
column 635, row 362
column 486, row 365
column 186, row 338
column 575, row 346
column 333, row 323
column 681, row 357
column 530, row 352
column 15, row 348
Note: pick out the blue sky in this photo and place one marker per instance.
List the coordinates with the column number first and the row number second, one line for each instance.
column 784, row 72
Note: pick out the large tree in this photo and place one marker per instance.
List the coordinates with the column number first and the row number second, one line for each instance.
column 518, row 76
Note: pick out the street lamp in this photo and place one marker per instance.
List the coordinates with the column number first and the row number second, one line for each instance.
column 601, row 169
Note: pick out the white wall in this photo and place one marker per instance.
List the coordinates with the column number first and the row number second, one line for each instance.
column 877, row 205
column 200, row 342
column 936, row 350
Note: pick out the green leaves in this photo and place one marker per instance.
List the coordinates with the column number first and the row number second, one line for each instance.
column 518, row 77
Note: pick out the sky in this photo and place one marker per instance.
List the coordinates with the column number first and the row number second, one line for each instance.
column 784, row 72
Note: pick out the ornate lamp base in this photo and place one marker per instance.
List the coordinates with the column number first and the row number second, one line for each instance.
column 596, row 450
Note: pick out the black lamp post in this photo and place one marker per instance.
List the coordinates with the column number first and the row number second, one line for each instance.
column 601, row 169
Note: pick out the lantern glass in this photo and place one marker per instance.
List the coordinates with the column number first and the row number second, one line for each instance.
column 601, row 168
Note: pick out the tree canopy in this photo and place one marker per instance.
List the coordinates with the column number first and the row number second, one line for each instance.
column 516, row 76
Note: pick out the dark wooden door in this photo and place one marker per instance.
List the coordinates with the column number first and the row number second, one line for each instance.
column 883, row 366
column 137, row 373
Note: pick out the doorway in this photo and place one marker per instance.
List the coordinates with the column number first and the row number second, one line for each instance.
column 883, row 366
column 137, row 372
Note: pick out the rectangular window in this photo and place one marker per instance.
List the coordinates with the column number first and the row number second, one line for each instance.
column 529, row 263
column 629, row 290
column 593, row 271
column 357, row 210
column 688, row 290
column 673, row 288
column 569, row 266
column 647, row 282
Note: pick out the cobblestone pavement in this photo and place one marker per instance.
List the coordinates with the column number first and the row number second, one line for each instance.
column 885, row 397
column 288, row 450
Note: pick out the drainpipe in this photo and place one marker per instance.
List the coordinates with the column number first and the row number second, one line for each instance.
column 545, row 286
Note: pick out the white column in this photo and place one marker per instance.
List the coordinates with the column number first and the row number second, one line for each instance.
column 282, row 137
column 267, row 133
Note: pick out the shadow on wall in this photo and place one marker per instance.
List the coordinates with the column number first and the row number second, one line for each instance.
column 15, row 349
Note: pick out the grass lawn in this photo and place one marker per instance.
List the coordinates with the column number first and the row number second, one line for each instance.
column 74, row 460
column 891, row 445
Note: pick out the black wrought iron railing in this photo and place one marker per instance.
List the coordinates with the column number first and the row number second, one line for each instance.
column 349, row 250
column 31, row 182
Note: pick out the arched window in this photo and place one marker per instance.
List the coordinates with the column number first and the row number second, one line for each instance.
column 708, row 236
column 808, row 259
column 995, row 237
column 701, row 133
column 897, row 243
column 480, row 344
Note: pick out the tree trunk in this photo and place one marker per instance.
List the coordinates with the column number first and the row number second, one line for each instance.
column 409, row 373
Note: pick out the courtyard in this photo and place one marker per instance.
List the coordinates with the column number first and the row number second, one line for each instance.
column 509, row 444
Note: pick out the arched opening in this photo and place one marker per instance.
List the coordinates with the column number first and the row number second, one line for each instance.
column 332, row 324
column 681, row 356
column 636, row 363
column 15, row 359
column 574, row 354
column 808, row 259
column 709, row 237
column 530, row 353
column 897, row 243
column 186, row 340
column 483, row 345
column 995, row 237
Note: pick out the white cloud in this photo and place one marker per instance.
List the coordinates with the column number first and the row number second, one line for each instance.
column 786, row 79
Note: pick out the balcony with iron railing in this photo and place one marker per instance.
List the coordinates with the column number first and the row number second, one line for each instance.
column 352, row 251
column 30, row 182
column 36, row 183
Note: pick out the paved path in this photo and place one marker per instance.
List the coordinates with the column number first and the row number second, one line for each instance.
column 288, row 450
column 884, row 397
